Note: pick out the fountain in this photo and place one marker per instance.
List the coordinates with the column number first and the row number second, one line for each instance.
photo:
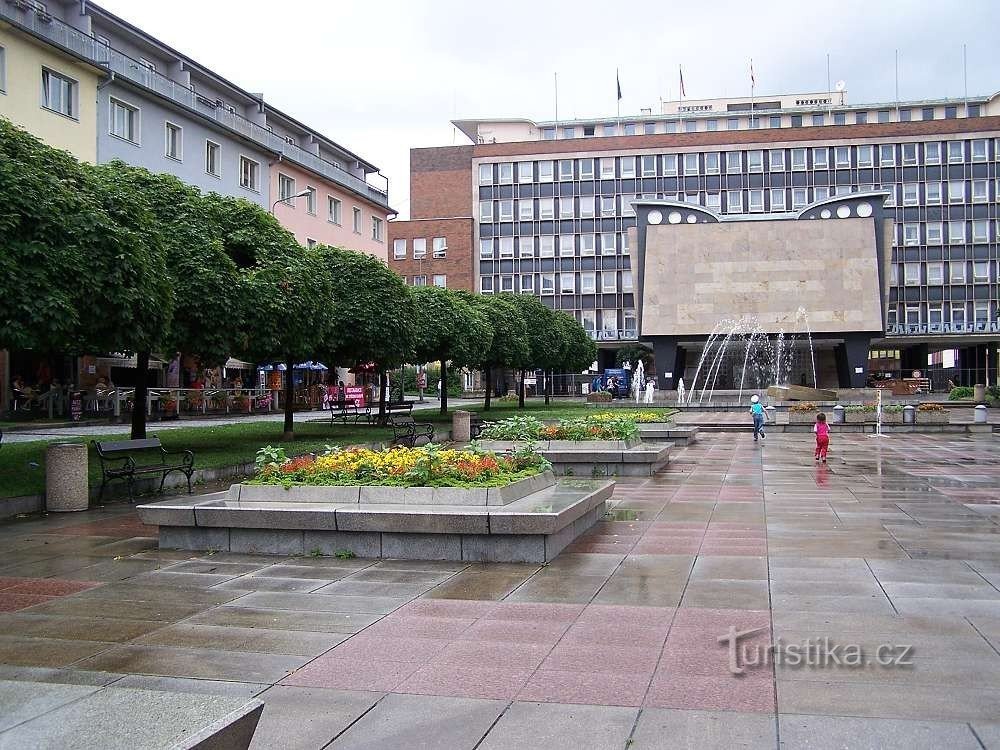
column 765, row 364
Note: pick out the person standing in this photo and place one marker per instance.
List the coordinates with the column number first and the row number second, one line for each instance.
column 759, row 416
column 822, row 430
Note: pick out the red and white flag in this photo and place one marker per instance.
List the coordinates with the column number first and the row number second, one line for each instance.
column 681, row 71
column 753, row 81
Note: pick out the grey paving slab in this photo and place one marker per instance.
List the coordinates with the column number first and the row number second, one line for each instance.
column 297, row 718
column 22, row 701
column 321, row 602
column 674, row 729
column 835, row 732
column 195, row 662
column 422, row 722
column 228, row 638
column 232, row 688
column 988, row 733
column 25, row 623
column 47, row 652
column 279, row 619
column 561, row 727
column 127, row 719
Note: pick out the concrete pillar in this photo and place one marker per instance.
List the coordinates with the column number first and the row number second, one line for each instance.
column 461, row 426
column 666, row 357
column 980, row 412
column 909, row 414
column 66, row 485
column 838, row 414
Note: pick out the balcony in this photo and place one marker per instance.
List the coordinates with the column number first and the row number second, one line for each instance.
column 916, row 329
column 87, row 47
column 629, row 334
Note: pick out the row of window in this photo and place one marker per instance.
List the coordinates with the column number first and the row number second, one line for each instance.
column 610, row 243
column 59, row 92
column 933, row 232
column 287, row 194
column 934, row 273
column 736, row 201
column 440, row 280
column 857, row 117
column 439, row 248
column 580, row 282
column 956, row 313
column 731, row 162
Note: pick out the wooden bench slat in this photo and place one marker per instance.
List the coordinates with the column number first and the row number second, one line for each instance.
column 129, row 445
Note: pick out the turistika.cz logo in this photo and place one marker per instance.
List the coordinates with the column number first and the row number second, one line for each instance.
column 810, row 653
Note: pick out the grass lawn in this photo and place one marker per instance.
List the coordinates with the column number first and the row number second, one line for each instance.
column 22, row 465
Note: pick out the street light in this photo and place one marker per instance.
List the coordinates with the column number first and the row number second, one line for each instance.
column 300, row 194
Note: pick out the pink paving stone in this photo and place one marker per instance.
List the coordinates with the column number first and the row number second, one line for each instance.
column 351, row 674
column 597, row 688
column 494, row 655
column 10, row 602
column 7, row 582
column 601, row 548
column 614, row 635
column 710, row 619
column 410, row 650
column 733, row 549
column 734, row 525
column 678, row 525
column 532, row 611
column 51, row 587
column 404, row 626
column 708, row 657
column 455, row 608
column 465, row 682
column 589, row 657
column 667, row 533
column 119, row 527
column 615, row 614
column 728, row 693
column 515, row 631
column 666, row 548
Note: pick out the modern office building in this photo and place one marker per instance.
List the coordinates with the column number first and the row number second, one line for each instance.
column 147, row 104
column 550, row 205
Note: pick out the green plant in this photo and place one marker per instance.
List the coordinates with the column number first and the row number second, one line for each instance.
column 599, row 397
column 519, row 428
column 344, row 554
column 930, row 407
column 803, row 406
column 315, row 552
column 893, row 409
column 960, row 392
column 270, row 456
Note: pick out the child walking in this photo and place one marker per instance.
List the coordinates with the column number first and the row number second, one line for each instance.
column 822, row 430
column 759, row 416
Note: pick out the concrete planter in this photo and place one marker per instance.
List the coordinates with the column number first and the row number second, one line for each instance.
column 503, row 446
column 478, row 496
column 892, row 417
column 932, row 417
column 859, row 417
column 801, row 417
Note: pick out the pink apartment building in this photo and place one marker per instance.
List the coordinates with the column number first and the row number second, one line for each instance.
column 328, row 214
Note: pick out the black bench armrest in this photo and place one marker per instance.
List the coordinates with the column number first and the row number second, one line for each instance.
column 188, row 455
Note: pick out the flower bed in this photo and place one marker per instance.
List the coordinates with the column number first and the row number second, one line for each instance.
column 427, row 466
column 639, row 416
column 931, row 413
column 530, row 429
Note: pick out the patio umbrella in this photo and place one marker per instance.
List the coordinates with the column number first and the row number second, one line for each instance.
column 268, row 368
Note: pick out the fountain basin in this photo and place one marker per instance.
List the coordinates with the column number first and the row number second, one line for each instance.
column 800, row 393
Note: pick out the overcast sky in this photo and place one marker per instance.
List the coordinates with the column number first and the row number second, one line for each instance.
column 382, row 77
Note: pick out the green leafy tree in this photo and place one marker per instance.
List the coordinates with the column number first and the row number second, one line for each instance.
column 448, row 326
column 630, row 353
column 509, row 346
column 544, row 338
column 579, row 349
column 372, row 314
column 292, row 313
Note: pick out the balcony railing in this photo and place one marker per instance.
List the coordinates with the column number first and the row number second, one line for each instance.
column 627, row 334
column 87, row 47
column 911, row 329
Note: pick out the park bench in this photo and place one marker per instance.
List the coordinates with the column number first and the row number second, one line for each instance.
column 346, row 411
column 134, row 459
column 407, row 432
column 398, row 407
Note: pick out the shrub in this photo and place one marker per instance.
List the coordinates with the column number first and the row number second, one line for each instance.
column 645, row 416
column 893, row 409
column 960, row 392
column 803, row 406
column 524, row 428
column 599, row 397
column 930, row 407
column 427, row 466
column 513, row 428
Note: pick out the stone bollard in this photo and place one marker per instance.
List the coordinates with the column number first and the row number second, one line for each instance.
column 979, row 393
column 980, row 412
column 909, row 414
column 66, row 487
column 838, row 414
column 461, row 426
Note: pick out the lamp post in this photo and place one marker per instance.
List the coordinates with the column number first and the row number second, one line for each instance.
column 300, row 194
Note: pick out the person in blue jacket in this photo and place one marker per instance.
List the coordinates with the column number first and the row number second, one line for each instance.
column 759, row 416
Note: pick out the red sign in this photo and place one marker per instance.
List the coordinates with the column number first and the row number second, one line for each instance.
column 422, row 380
column 355, row 393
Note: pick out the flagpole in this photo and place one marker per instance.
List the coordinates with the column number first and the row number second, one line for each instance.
column 965, row 78
column 753, row 85
column 555, row 78
column 897, row 84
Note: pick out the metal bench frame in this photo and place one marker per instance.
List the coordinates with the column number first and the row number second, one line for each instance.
column 407, row 432
column 118, row 461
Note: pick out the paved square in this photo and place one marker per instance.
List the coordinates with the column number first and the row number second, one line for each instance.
column 891, row 549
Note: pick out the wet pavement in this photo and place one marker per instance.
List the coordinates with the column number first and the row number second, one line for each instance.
column 881, row 570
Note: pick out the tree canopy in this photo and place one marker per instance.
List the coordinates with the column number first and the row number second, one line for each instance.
column 509, row 346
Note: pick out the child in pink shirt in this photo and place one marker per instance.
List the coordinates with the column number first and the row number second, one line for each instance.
column 822, row 430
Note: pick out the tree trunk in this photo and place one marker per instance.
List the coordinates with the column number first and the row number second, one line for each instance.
column 520, row 391
column 141, row 397
column 444, row 386
column 548, row 386
column 289, row 432
column 383, row 381
column 488, row 383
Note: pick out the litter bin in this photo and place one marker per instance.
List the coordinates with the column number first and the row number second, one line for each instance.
column 979, row 393
column 66, row 486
